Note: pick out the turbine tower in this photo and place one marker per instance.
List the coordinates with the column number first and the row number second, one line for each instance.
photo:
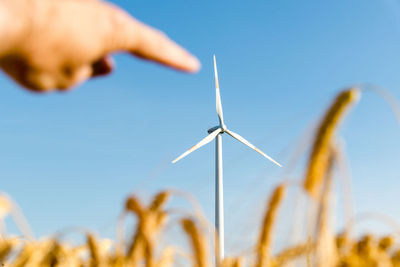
column 216, row 133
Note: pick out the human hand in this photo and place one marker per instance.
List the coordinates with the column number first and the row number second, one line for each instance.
column 57, row 44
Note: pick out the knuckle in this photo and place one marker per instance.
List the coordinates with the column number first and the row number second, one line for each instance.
column 27, row 74
column 151, row 40
column 40, row 81
column 72, row 77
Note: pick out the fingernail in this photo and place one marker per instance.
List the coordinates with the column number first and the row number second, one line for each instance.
column 193, row 64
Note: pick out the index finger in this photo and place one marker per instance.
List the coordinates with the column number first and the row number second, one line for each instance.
column 148, row 43
column 156, row 46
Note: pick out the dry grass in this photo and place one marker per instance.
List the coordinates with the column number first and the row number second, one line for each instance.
column 321, row 247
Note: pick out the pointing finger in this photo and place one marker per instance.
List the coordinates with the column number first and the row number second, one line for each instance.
column 155, row 45
column 145, row 42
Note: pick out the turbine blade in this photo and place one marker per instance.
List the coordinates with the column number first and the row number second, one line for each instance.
column 203, row 142
column 218, row 96
column 247, row 143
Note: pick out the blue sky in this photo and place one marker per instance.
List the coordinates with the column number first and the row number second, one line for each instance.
column 71, row 158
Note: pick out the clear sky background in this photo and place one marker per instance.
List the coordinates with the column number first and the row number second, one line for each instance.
column 71, row 158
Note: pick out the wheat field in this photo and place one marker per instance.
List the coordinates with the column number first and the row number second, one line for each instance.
column 321, row 247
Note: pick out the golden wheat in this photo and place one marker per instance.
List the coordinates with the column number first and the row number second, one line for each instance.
column 318, row 160
column 265, row 237
column 197, row 241
column 143, row 247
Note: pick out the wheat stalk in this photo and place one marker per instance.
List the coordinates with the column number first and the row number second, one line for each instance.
column 198, row 242
column 318, row 160
column 265, row 237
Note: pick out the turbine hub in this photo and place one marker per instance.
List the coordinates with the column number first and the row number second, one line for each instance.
column 213, row 129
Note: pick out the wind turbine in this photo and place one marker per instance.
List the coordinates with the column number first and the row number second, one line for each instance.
column 216, row 133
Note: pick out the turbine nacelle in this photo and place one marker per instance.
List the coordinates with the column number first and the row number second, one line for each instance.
column 223, row 128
